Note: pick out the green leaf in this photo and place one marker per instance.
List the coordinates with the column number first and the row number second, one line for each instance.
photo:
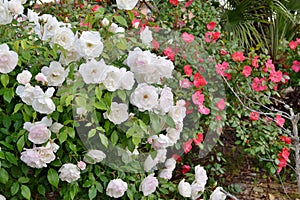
column 121, row 20
column 92, row 192
column 136, row 140
column 8, row 95
column 20, row 143
column 17, row 107
column 91, row 133
column 53, row 177
column 11, row 158
column 14, row 188
column 98, row 93
column 41, row 190
column 114, row 137
column 99, row 187
column 103, row 139
column 101, row 105
column 25, row 191
column 4, row 80
column 122, row 95
column 23, row 180
column 69, row 100
column 62, row 137
column 3, row 176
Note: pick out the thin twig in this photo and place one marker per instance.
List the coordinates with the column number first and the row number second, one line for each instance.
column 228, row 194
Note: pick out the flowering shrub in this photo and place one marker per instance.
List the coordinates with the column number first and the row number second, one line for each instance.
column 89, row 110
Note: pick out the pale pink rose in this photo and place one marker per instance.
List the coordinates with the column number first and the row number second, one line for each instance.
column 69, row 172
column 24, row 77
column 39, row 134
column 185, row 83
column 166, row 174
column 81, row 165
column 187, row 37
column 32, row 158
column 42, row 78
column 116, row 188
column 149, row 184
column 184, row 188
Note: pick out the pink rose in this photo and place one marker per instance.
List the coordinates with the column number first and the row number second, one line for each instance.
column 211, row 25
column 247, row 71
column 39, row 134
column 187, row 37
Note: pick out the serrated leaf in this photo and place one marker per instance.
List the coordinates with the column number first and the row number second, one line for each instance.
column 14, row 188
column 121, row 20
column 11, row 158
column 42, row 190
column 92, row 192
column 99, row 187
column 23, row 180
column 53, row 178
column 114, row 137
column 17, row 107
column 20, row 143
column 98, row 93
column 4, row 79
column 62, row 137
column 25, row 191
column 3, row 176
column 91, row 133
column 103, row 139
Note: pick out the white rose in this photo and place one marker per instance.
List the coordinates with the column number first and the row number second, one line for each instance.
column 26, row 93
column 46, row 154
column 32, row 158
column 113, row 27
column 152, row 76
column 70, row 56
column 39, row 134
column 5, row 16
column 161, row 142
column 32, row 16
column 166, row 174
column 8, row 59
column 113, row 79
column 144, row 97
column 173, row 134
column 126, row 4
column 165, row 67
column 64, row 37
column 116, row 188
column 184, row 188
column 105, row 22
column 177, row 113
column 81, row 111
column 170, row 164
column 149, row 163
column 55, row 73
column 140, row 62
column 118, row 113
column 50, row 26
column 200, row 175
column 93, row 71
column 149, row 184
column 15, row 6
column 165, row 101
column 120, row 31
column 2, row 197
column 69, row 172
column 51, row 145
column 45, row 121
column 146, row 36
column 24, row 77
column 94, row 156
column 196, row 188
column 42, row 102
column 127, row 80
column 217, row 194
column 161, row 155
column 89, row 45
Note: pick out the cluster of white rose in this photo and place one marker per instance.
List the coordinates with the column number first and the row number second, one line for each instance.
column 8, row 9
column 146, row 69
column 40, row 133
column 195, row 189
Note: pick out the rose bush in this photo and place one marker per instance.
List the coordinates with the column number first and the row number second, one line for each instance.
column 117, row 95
